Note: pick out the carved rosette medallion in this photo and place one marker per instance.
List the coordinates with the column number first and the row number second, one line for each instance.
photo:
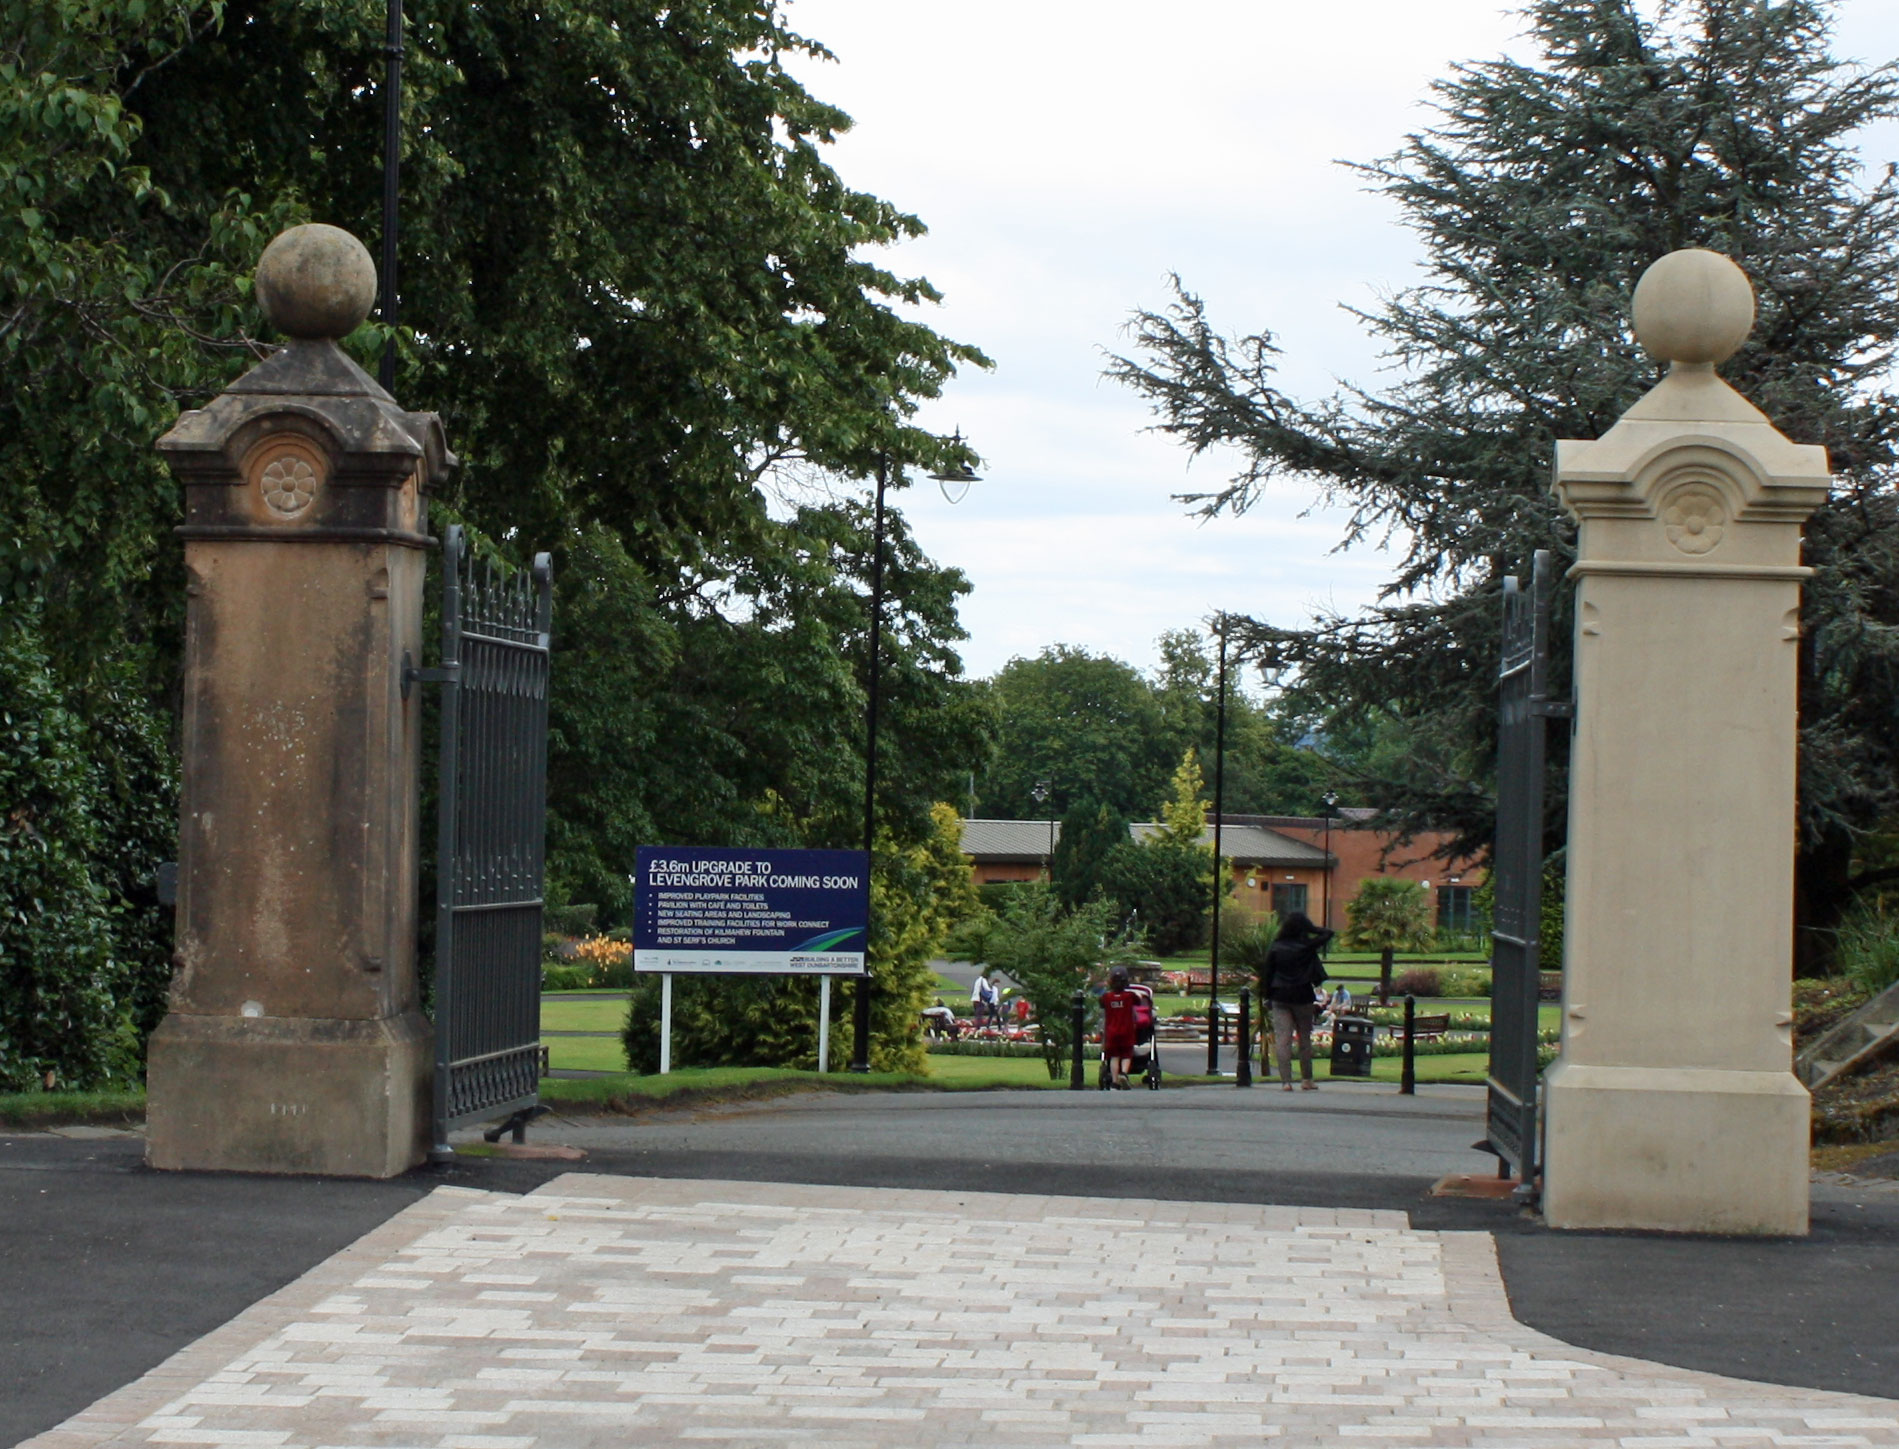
column 1695, row 517
column 287, row 473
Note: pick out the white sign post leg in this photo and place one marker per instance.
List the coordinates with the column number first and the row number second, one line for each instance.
column 824, row 1023
column 665, row 1023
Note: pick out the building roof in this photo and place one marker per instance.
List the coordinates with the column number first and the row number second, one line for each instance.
column 1252, row 845
column 1007, row 840
column 1349, row 817
column 999, row 841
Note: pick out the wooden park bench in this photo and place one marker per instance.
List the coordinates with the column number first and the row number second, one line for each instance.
column 1424, row 1028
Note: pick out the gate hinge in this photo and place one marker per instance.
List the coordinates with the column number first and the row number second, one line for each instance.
column 1554, row 709
column 449, row 672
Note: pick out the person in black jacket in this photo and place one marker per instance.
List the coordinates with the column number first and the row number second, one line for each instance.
column 1293, row 975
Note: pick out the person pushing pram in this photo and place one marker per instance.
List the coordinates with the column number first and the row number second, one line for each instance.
column 1128, row 1019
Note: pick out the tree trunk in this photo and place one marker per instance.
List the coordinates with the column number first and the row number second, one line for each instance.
column 1384, row 976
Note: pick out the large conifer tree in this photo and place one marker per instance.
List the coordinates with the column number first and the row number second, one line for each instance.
column 1541, row 193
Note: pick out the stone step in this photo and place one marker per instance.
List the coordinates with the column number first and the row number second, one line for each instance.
column 1867, row 1034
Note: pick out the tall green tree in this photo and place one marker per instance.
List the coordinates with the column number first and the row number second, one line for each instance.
column 1055, row 953
column 637, row 293
column 1540, row 192
column 1085, row 724
column 1089, row 832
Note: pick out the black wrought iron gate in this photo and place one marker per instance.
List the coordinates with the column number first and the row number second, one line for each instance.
column 1523, row 711
column 490, row 837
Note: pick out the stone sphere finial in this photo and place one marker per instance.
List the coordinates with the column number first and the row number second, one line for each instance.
column 1693, row 306
column 315, row 281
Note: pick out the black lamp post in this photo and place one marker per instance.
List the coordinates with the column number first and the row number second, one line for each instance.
column 1040, row 794
column 1219, row 806
column 1325, row 881
column 958, row 480
column 391, row 179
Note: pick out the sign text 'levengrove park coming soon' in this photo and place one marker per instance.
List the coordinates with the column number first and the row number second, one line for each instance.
column 776, row 912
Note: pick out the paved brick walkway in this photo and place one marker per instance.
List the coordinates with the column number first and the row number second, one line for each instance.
column 614, row 1311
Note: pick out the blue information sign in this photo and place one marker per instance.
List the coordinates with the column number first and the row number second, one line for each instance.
column 769, row 912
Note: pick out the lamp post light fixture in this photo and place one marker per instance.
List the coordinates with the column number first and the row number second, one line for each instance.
column 959, row 477
column 1040, row 793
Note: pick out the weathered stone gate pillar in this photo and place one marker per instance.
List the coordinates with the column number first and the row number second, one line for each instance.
column 1673, row 1105
column 295, row 1041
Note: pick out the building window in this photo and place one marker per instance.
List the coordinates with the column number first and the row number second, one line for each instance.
column 1455, row 910
column 1287, row 899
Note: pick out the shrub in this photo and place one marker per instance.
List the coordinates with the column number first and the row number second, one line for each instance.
column 556, row 977
column 1054, row 954
column 1867, row 948
column 985, row 1049
column 964, row 942
column 1417, row 981
column 569, row 920
column 1245, row 939
column 1170, row 887
column 1473, row 982
column 993, row 895
column 1389, row 914
column 59, row 1022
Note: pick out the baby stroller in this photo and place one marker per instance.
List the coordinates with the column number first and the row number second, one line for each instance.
column 1145, row 1063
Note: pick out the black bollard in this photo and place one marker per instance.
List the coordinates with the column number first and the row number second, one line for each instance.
column 1408, row 1077
column 1077, row 1077
column 1243, row 1068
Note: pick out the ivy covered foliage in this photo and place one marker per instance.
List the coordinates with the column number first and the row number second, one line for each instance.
column 63, row 994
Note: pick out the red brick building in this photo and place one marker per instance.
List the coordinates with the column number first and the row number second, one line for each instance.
column 1281, row 863
column 1361, row 853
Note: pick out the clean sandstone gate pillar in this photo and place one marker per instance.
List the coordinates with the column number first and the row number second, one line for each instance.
column 1673, row 1105
column 295, row 1040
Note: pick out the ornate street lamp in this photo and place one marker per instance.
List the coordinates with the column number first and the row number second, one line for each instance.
column 954, row 483
column 1219, row 806
column 1040, row 795
column 1325, row 881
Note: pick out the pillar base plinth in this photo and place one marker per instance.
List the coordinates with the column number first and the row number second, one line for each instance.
column 289, row 1095
column 1675, row 1149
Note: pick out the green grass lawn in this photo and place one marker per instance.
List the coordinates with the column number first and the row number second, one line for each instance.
column 991, row 1072
column 1201, row 957
column 601, row 1054
column 1465, row 1067
column 719, row 1081
column 585, row 1053
column 30, row 1111
column 580, row 1013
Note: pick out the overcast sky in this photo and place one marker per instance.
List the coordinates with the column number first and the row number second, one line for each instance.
column 1066, row 158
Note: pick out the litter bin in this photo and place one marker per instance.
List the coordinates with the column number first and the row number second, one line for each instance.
column 1351, row 1046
